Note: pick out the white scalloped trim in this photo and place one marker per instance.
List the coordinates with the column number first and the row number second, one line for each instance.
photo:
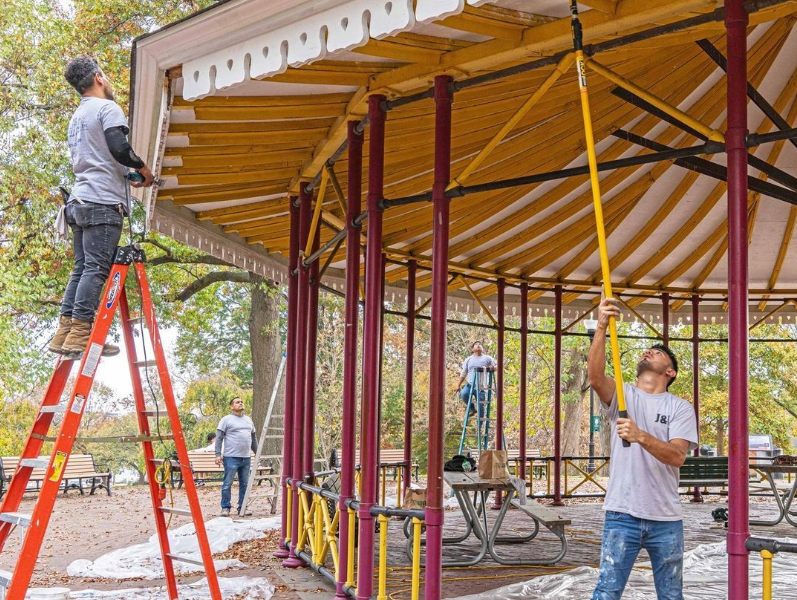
column 343, row 27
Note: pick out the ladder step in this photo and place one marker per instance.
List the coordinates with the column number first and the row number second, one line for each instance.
column 273, row 436
column 186, row 559
column 146, row 364
column 34, row 463
column 17, row 518
column 137, row 321
column 5, row 579
column 154, row 413
column 53, row 408
column 175, row 511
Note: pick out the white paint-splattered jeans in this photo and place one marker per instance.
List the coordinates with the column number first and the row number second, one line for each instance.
column 623, row 537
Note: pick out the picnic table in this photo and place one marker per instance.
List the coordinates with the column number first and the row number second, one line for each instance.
column 783, row 496
column 472, row 493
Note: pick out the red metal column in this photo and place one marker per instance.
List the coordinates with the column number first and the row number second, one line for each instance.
column 408, row 383
column 437, row 377
column 308, row 458
column 382, row 269
column 302, row 301
column 697, row 496
column 557, row 401
column 290, row 375
column 736, row 151
column 348, row 435
column 665, row 318
column 499, row 380
column 524, row 343
column 369, row 412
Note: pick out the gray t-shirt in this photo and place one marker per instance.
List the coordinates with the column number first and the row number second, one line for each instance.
column 238, row 436
column 640, row 485
column 98, row 177
column 473, row 362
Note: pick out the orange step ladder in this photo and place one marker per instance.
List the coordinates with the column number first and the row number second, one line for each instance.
column 15, row 584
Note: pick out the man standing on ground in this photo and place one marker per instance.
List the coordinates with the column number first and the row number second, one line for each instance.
column 477, row 360
column 99, row 200
column 642, row 505
column 236, row 432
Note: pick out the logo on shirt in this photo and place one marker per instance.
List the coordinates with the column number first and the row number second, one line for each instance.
column 661, row 418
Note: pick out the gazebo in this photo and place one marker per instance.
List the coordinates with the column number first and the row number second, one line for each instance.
column 466, row 118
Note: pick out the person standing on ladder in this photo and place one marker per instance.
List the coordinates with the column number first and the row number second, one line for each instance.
column 477, row 360
column 236, row 432
column 98, row 203
column 642, row 505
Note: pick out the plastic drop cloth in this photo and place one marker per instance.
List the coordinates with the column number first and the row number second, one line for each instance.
column 247, row 588
column 705, row 578
column 144, row 560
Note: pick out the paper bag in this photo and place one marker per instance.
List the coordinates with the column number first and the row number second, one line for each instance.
column 414, row 498
column 492, row 464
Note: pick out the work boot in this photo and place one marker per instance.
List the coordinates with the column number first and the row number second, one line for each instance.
column 225, row 512
column 64, row 325
column 78, row 338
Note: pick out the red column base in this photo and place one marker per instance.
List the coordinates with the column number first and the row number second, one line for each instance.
column 293, row 562
column 281, row 553
column 557, row 503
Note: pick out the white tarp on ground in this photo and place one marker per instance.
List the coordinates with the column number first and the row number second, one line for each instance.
column 247, row 588
column 144, row 560
column 705, row 578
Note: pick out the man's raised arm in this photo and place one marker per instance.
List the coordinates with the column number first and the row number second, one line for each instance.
column 603, row 385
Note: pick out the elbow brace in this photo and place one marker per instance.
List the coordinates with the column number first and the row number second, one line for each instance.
column 116, row 138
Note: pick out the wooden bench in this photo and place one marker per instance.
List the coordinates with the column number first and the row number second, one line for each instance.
column 390, row 460
column 704, row 471
column 532, row 454
column 80, row 473
column 204, row 467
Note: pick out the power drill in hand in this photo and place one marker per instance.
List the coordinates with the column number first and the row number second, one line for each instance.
column 137, row 177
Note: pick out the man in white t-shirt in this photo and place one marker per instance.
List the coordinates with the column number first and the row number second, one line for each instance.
column 642, row 505
column 236, row 435
column 477, row 360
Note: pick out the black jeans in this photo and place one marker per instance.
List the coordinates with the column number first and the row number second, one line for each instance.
column 96, row 229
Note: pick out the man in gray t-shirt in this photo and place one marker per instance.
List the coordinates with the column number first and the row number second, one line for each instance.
column 98, row 202
column 236, row 433
column 642, row 505
column 484, row 363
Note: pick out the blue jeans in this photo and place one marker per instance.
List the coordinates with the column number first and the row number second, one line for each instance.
column 96, row 229
column 623, row 537
column 234, row 465
column 480, row 405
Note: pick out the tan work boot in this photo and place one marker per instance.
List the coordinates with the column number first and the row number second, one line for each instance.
column 64, row 325
column 78, row 338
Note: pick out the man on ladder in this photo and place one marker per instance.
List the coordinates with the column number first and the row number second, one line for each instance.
column 477, row 360
column 95, row 211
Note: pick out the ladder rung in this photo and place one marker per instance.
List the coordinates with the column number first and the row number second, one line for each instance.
column 17, row 518
column 53, row 408
column 5, row 578
column 175, row 511
column 34, row 463
column 273, row 436
column 146, row 364
column 154, row 413
column 137, row 321
column 186, row 559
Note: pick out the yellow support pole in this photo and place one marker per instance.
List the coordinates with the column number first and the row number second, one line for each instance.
column 416, row 558
column 288, row 510
column 399, row 474
column 319, row 528
column 382, row 594
column 596, row 201
column 352, row 533
column 319, row 203
column 384, row 484
column 767, row 557
column 561, row 69
column 712, row 134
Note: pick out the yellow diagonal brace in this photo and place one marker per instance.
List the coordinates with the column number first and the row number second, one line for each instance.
column 561, row 68
column 478, row 300
column 338, row 190
column 712, row 134
column 322, row 188
column 770, row 313
column 640, row 317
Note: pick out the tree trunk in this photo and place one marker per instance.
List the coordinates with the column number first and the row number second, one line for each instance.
column 265, row 343
column 720, row 437
column 605, row 436
column 573, row 401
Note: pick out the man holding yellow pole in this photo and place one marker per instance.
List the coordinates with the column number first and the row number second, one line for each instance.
column 642, row 505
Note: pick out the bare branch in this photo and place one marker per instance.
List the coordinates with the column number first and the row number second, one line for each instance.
column 210, row 279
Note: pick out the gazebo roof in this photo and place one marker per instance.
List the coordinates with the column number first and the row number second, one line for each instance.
column 258, row 96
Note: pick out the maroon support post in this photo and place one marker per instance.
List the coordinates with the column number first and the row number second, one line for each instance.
column 696, row 496
column 499, row 381
column 736, row 151
column 348, row 435
column 665, row 318
column 408, row 375
column 290, row 375
column 310, row 361
column 524, row 341
column 557, row 401
column 369, row 412
column 437, row 377
column 302, row 302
